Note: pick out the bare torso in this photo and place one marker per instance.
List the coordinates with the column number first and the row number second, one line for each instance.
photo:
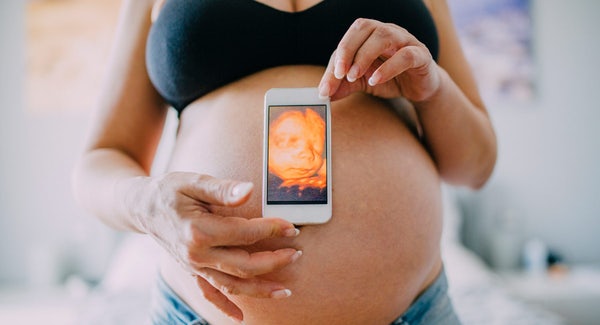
column 380, row 249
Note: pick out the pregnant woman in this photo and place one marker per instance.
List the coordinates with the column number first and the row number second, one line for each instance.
column 406, row 115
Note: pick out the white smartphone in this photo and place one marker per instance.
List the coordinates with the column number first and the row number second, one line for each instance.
column 297, row 156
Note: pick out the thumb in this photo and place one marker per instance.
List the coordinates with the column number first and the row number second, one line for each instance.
column 346, row 88
column 240, row 192
column 221, row 192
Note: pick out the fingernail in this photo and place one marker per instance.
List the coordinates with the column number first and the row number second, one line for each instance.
column 283, row 293
column 324, row 97
column 296, row 256
column 374, row 79
column 241, row 189
column 292, row 232
column 352, row 74
column 338, row 71
column 323, row 92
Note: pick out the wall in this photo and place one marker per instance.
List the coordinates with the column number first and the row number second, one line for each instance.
column 547, row 181
column 44, row 235
column 11, row 65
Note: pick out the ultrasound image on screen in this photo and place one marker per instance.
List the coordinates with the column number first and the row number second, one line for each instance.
column 297, row 164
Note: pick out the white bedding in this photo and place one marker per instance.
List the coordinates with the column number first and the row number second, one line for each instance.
column 476, row 291
column 479, row 298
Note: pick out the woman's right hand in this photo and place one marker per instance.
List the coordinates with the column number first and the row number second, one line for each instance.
column 176, row 209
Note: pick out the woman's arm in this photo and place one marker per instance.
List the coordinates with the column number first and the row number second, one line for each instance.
column 387, row 61
column 127, row 127
column 112, row 181
column 456, row 126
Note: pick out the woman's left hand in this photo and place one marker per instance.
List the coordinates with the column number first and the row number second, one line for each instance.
column 381, row 59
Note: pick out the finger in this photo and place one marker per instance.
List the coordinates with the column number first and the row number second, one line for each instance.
column 218, row 299
column 346, row 88
column 329, row 83
column 408, row 57
column 213, row 245
column 335, row 88
column 242, row 264
column 213, row 231
column 352, row 40
column 254, row 287
column 384, row 42
column 217, row 191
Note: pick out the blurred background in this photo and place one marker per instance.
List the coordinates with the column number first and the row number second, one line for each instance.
column 535, row 225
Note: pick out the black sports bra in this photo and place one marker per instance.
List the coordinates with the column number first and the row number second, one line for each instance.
column 196, row 46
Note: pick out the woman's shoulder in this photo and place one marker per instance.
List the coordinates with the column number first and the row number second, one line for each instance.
column 142, row 5
column 428, row 4
column 156, row 7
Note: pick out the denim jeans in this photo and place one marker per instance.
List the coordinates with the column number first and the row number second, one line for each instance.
column 432, row 307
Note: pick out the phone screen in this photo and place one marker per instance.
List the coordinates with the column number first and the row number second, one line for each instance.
column 297, row 154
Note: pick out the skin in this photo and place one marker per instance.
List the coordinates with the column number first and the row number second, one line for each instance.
column 204, row 215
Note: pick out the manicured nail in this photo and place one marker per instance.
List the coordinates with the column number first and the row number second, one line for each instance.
column 324, row 92
column 352, row 74
column 292, row 232
column 338, row 71
column 283, row 293
column 241, row 190
column 374, row 79
column 296, row 256
column 237, row 320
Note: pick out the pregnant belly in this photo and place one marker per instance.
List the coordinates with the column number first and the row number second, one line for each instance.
column 381, row 247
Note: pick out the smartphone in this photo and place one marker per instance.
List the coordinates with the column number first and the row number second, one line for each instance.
column 297, row 156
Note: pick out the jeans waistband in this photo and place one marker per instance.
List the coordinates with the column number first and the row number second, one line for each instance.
column 169, row 308
column 432, row 307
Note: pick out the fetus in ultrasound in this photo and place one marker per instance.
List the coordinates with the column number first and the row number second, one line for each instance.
column 297, row 150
